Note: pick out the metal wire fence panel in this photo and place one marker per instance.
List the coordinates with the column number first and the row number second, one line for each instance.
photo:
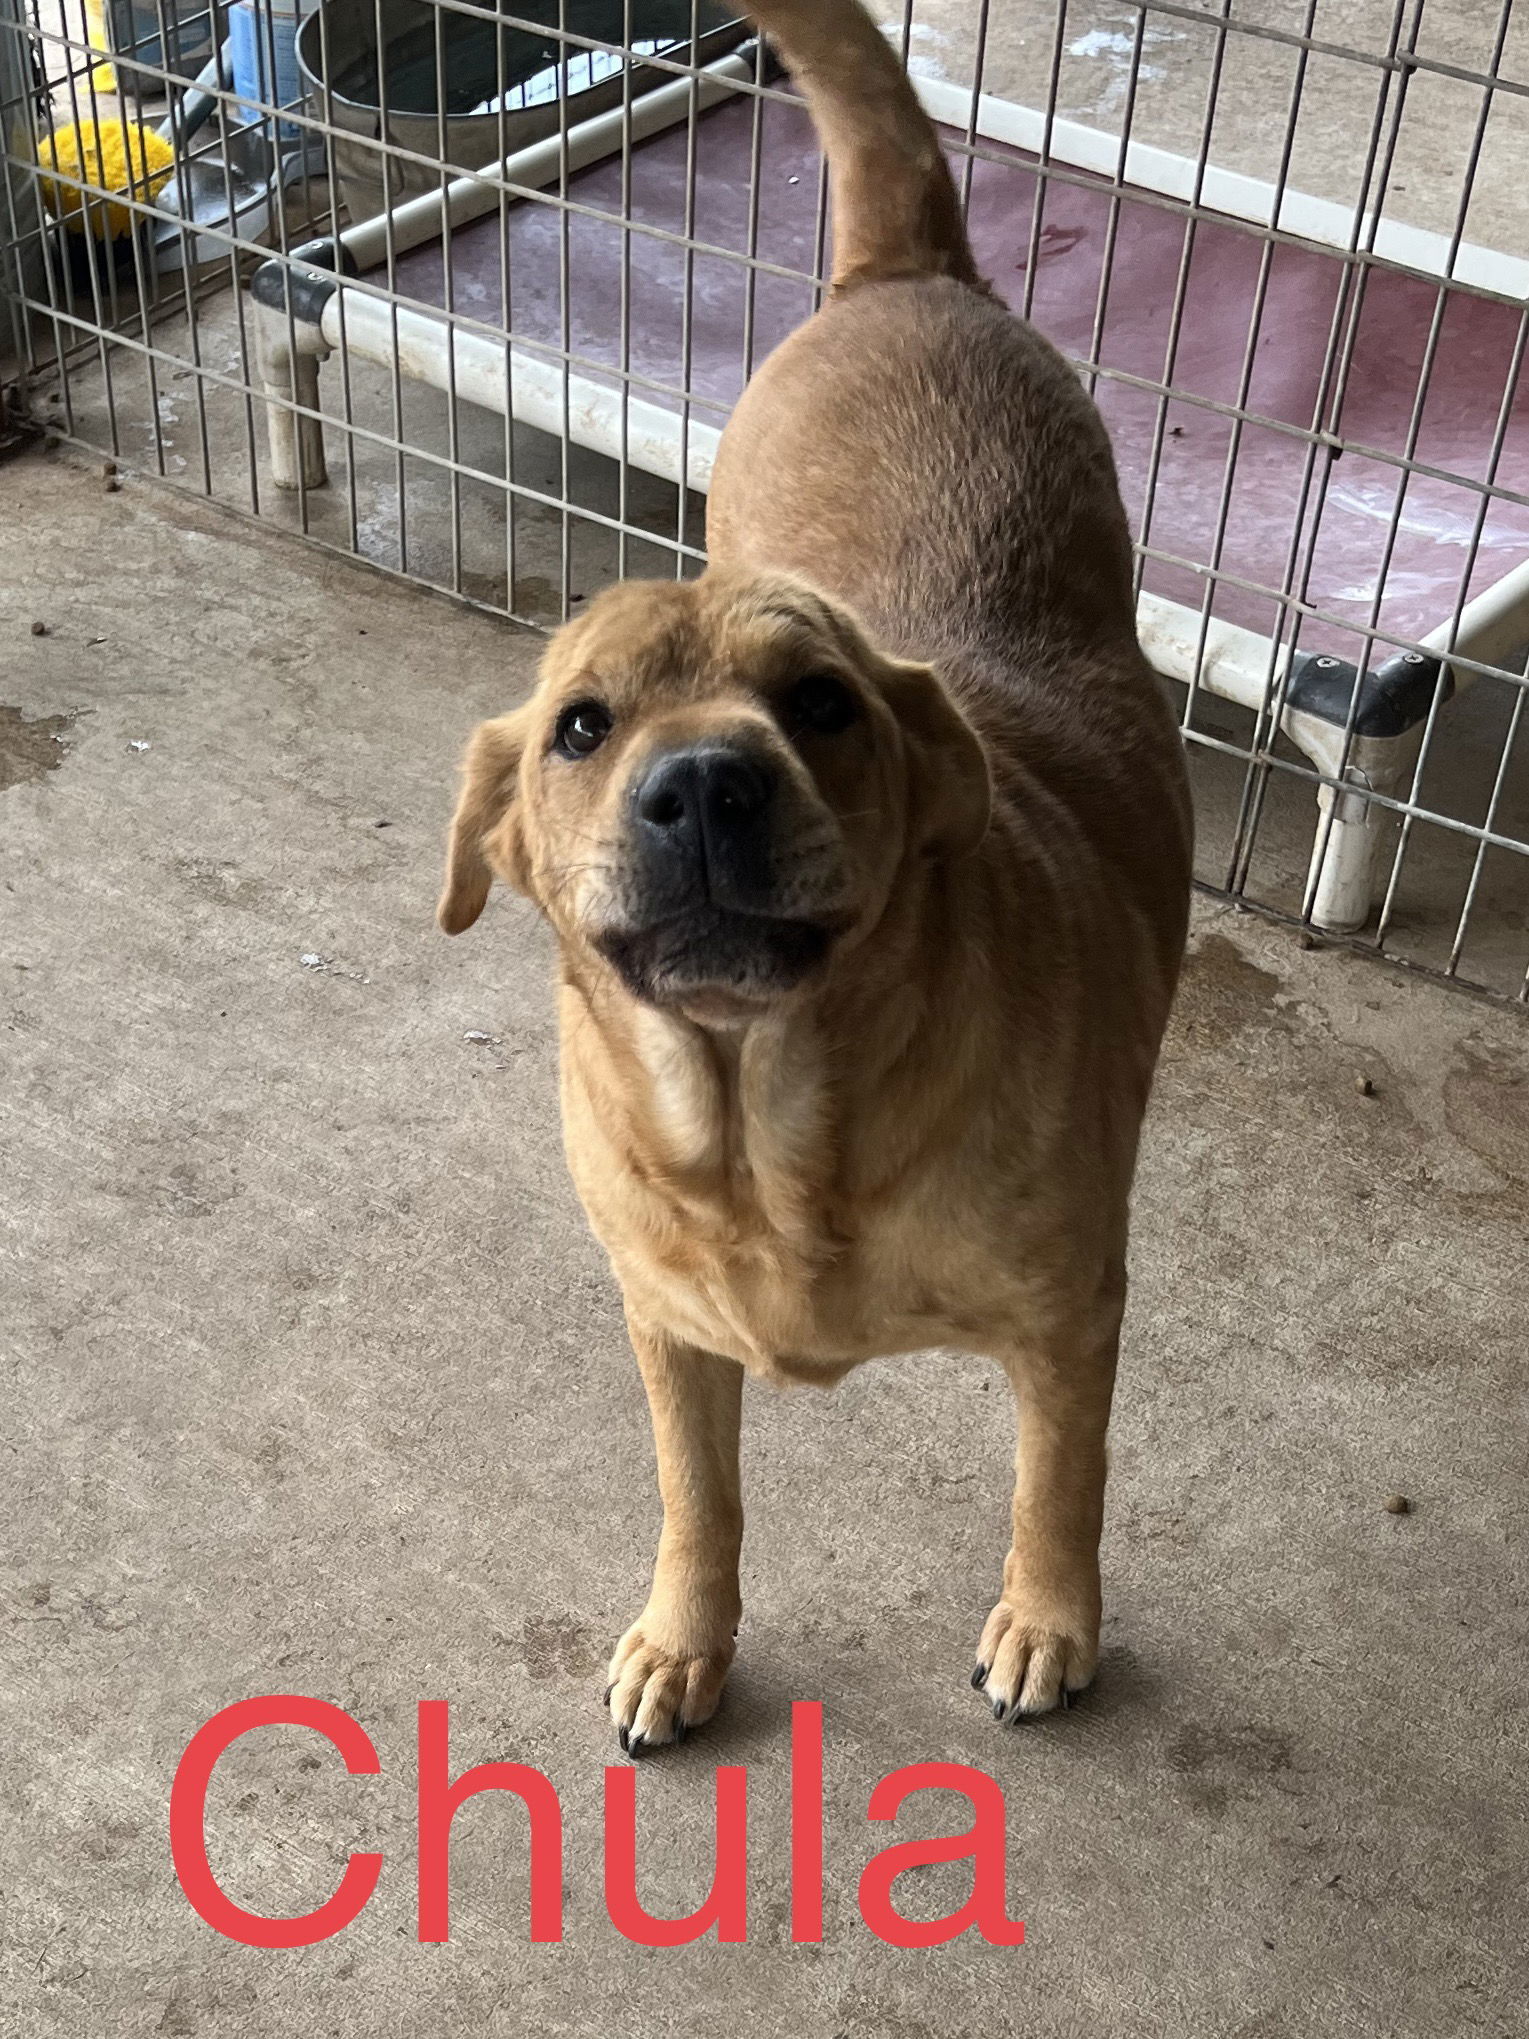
column 469, row 292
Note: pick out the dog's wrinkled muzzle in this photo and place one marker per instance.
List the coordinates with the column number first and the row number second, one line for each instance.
column 702, row 911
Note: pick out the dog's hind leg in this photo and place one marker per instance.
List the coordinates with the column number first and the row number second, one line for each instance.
column 1041, row 1642
column 669, row 1668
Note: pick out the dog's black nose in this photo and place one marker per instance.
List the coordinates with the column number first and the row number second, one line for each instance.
column 707, row 807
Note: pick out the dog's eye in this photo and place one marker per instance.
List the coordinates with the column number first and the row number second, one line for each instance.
column 582, row 728
column 819, row 702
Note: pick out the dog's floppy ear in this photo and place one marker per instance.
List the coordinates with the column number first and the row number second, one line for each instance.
column 486, row 832
column 950, row 788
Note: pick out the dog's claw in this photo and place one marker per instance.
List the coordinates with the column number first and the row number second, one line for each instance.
column 605, row 1698
column 1040, row 1659
column 655, row 1693
column 979, row 1677
column 999, row 1709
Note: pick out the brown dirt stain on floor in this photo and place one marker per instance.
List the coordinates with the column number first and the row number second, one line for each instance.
column 1486, row 1107
column 28, row 750
column 558, row 1646
column 1221, row 992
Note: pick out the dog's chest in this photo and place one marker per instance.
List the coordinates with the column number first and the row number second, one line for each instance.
column 806, row 1304
column 726, row 1199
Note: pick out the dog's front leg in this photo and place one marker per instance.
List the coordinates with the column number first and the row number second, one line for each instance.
column 1041, row 1642
column 670, row 1666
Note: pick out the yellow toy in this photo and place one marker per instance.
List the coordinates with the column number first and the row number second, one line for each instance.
column 103, row 78
column 119, row 156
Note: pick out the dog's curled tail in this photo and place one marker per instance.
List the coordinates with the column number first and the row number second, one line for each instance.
column 895, row 209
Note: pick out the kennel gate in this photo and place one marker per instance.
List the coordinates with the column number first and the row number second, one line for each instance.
column 1315, row 403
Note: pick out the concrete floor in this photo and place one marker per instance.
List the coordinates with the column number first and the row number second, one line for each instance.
column 319, row 1385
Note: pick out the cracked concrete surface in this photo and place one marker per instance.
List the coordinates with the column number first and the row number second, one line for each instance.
column 316, row 1383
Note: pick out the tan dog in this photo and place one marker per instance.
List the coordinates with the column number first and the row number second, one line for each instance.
column 868, row 858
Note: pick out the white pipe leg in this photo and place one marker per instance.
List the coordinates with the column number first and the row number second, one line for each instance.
column 290, row 375
column 1341, row 881
column 1351, row 830
column 536, row 392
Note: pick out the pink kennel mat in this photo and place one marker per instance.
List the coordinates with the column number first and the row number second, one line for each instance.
column 1260, row 478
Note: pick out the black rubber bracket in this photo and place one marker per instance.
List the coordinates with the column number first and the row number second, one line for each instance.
column 328, row 253
column 1392, row 697
column 302, row 292
column 774, row 69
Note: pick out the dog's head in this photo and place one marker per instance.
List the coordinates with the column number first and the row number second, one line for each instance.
column 713, row 789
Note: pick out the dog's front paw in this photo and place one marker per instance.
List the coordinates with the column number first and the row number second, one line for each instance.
column 659, row 1684
column 1035, row 1654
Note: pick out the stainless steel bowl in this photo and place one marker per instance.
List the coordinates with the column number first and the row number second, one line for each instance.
column 501, row 84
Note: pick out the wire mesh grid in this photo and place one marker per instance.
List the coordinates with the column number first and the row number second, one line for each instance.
column 468, row 292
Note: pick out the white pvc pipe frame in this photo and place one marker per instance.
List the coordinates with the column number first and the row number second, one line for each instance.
column 1240, row 665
